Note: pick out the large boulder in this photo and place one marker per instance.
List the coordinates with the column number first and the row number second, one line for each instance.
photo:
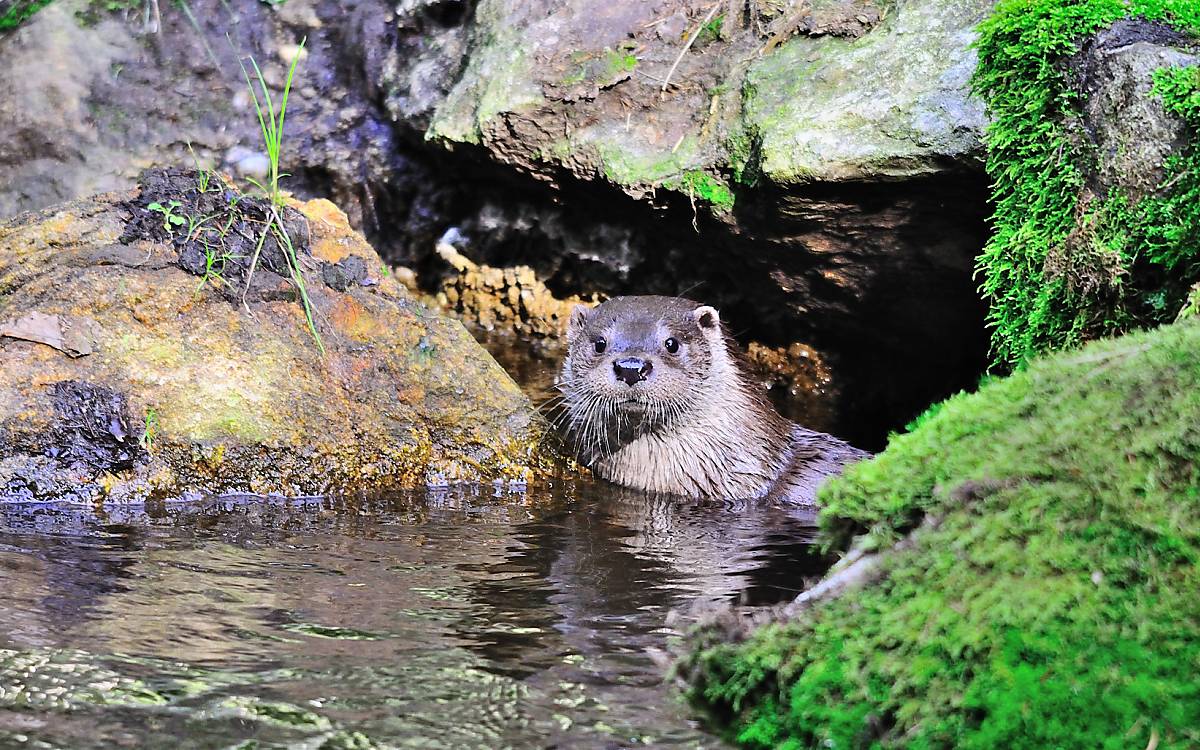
column 136, row 365
column 614, row 91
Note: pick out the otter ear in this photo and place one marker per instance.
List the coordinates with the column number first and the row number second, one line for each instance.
column 579, row 316
column 706, row 317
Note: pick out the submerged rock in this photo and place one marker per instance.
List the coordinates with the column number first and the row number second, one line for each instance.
column 130, row 373
column 1037, row 581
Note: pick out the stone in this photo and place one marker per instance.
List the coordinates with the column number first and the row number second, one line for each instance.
column 894, row 103
column 1125, row 125
column 845, row 91
column 189, row 389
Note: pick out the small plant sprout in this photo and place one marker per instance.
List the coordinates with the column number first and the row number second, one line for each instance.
column 170, row 219
column 203, row 176
column 215, row 262
column 195, row 225
column 150, row 429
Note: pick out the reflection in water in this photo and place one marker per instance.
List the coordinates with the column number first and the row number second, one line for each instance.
column 447, row 620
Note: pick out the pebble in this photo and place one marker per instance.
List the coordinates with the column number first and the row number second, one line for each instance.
column 248, row 163
column 289, row 52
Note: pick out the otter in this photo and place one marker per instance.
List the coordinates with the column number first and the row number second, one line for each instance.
column 656, row 398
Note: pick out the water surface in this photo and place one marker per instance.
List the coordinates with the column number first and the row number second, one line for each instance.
column 455, row 619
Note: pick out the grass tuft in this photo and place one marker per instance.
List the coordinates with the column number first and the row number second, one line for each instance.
column 271, row 123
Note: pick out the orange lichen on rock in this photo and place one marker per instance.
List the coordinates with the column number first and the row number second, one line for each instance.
column 332, row 236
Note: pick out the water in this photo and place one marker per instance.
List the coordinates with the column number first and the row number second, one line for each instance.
column 449, row 620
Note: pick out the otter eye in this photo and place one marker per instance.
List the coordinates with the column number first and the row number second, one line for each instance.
column 672, row 345
column 600, row 345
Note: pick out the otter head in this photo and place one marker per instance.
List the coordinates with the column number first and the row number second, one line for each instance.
column 638, row 363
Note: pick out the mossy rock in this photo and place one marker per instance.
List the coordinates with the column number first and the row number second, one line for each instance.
column 1092, row 147
column 893, row 104
column 1045, row 595
column 838, row 90
column 128, row 375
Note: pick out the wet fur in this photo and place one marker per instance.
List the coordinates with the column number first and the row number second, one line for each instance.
column 706, row 431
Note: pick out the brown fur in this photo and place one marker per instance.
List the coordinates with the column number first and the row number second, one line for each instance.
column 697, row 426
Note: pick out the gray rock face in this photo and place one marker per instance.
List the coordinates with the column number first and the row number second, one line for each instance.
column 50, row 147
column 1130, row 133
column 843, row 90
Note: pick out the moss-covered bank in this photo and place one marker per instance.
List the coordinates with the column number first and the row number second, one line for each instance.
column 14, row 12
column 1054, row 604
column 1073, row 258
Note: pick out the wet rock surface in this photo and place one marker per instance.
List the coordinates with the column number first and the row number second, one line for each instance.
column 191, row 388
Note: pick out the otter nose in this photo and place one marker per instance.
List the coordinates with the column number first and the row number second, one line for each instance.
column 632, row 370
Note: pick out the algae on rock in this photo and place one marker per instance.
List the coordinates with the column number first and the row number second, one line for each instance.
column 894, row 103
column 1052, row 602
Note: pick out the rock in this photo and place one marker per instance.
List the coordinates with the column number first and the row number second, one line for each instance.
column 248, row 163
column 856, row 94
column 892, row 104
column 50, row 147
column 1123, row 123
column 186, row 389
column 91, row 96
column 513, row 300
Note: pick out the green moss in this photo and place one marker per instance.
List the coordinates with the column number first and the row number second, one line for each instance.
column 1054, row 606
column 699, row 184
column 603, row 70
column 1057, row 272
column 619, row 62
column 711, row 31
column 744, row 147
column 19, row 12
column 626, row 167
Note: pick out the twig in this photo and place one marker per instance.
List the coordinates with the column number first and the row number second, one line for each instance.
column 691, row 40
column 656, row 79
column 254, row 261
